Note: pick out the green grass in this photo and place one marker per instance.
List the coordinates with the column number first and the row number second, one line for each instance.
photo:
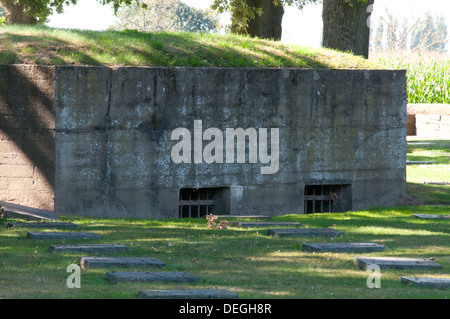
column 419, row 189
column 246, row 261
column 428, row 75
column 43, row 45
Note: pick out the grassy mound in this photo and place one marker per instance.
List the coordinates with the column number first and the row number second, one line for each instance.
column 43, row 45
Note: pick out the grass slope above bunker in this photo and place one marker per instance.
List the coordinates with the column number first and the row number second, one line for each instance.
column 48, row 46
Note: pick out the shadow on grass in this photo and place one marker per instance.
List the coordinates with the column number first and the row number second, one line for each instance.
column 54, row 46
column 428, row 194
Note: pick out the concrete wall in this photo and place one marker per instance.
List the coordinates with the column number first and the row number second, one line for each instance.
column 27, row 135
column 113, row 137
column 428, row 120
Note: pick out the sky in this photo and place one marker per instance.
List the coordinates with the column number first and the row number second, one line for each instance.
column 90, row 14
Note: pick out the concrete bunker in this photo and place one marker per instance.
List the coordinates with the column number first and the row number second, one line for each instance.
column 341, row 134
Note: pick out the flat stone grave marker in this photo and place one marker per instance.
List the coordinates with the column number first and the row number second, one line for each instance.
column 45, row 225
column 120, row 262
column 264, row 217
column 431, row 216
column 62, row 235
column 420, row 163
column 93, row 248
column 142, row 276
column 395, row 263
column 342, row 247
column 302, row 232
column 263, row 224
column 440, row 283
column 188, row 294
column 436, row 183
column 27, row 213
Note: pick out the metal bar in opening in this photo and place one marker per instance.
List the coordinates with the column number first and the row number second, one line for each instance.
column 200, row 202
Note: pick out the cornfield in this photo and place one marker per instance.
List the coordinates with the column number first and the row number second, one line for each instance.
column 428, row 75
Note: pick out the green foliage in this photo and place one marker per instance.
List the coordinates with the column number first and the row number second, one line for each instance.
column 42, row 9
column 244, row 11
column 428, row 75
column 164, row 15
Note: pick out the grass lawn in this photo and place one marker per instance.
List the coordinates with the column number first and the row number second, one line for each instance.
column 43, row 45
column 245, row 261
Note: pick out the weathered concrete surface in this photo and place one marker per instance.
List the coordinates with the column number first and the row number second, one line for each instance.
column 263, row 224
column 120, row 262
column 92, row 248
column 62, row 235
column 428, row 120
column 305, row 232
column 27, row 135
column 97, row 141
column 142, row 276
column 188, row 294
column 113, row 137
column 440, row 283
column 395, row 263
column 343, row 247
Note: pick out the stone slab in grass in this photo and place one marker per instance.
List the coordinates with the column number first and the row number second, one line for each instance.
column 420, row 163
column 431, row 216
column 142, row 276
column 395, row 263
column 61, row 235
column 304, row 232
column 343, row 247
column 188, row 294
column 91, row 249
column 264, row 224
column 440, row 283
column 120, row 262
column 264, row 217
column 26, row 213
column 46, row 225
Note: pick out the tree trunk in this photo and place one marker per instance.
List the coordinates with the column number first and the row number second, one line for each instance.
column 266, row 26
column 14, row 14
column 345, row 27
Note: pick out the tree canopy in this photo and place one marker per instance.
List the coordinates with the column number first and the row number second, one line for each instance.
column 164, row 15
column 37, row 11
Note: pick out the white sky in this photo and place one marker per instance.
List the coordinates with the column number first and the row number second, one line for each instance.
column 300, row 27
